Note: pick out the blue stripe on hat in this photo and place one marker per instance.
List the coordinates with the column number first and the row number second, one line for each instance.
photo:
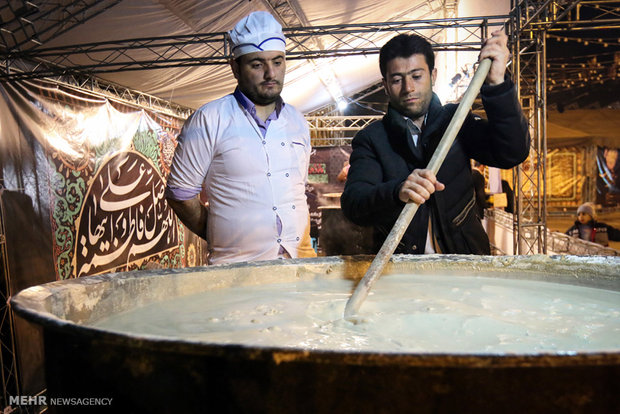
column 260, row 44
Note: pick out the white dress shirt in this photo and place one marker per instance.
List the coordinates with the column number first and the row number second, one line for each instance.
column 251, row 181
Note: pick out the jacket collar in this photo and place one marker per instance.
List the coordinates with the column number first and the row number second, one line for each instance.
column 398, row 133
column 434, row 119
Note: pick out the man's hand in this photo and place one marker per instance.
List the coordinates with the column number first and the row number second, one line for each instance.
column 419, row 186
column 496, row 49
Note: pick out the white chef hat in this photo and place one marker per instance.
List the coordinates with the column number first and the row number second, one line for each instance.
column 256, row 32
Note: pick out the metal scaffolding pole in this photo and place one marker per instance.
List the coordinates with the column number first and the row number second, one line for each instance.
column 529, row 222
column 532, row 20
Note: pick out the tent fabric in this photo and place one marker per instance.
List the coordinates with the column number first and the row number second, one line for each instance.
column 193, row 86
column 581, row 127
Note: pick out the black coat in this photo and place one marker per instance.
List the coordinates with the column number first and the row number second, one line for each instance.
column 384, row 155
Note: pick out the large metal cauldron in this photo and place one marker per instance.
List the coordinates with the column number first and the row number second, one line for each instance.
column 147, row 375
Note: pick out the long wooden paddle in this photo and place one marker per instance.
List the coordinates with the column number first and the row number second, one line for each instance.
column 392, row 240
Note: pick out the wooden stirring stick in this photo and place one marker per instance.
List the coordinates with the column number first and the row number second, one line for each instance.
column 392, row 240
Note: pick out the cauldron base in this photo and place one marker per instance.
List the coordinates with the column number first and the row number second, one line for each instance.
column 141, row 381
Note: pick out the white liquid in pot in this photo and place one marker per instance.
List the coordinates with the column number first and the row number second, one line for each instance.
column 403, row 313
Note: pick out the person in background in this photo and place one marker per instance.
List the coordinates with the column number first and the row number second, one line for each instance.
column 480, row 189
column 587, row 228
column 510, row 197
column 251, row 152
column 389, row 158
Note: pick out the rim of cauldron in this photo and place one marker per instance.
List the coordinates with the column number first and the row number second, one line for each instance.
column 32, row 309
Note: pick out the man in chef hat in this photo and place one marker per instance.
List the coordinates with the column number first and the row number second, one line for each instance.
column 249, row 152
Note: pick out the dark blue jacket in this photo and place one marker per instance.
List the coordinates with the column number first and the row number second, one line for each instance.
column 384, row 155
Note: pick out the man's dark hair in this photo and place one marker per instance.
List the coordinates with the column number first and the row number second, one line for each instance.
column 403, row 46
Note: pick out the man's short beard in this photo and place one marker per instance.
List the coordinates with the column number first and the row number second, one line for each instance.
column 415, row 115
column 419, row 113
column 262, row 99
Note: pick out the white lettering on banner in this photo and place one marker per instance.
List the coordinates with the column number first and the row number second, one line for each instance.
column 125, row 216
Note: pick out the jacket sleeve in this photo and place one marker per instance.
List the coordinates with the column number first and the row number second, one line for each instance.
column 503, row 140
column 366, row 198
column 613, row 233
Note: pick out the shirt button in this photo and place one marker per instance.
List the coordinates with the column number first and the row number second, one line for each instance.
column 264, row 142
column 268, row 174
column 286, row 174
column 414, row 247
column 279, row 240
column 293, row 207
column 297, row 238
column 275, row 208
column 282, row 143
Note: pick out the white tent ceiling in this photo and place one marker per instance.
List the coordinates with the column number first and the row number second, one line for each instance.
column 304, row 87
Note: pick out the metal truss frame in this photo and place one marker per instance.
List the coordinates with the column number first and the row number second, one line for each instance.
column 340, row 123
column 28, row 24
column 604, row 15
column 334, row 130
column 176, row 51
column 112, row 91
column 124, row 95
column 531, row 21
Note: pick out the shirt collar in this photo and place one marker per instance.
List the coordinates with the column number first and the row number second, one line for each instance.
column 412, row 126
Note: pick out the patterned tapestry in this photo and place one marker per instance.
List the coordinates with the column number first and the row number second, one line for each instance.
column 97, row 169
